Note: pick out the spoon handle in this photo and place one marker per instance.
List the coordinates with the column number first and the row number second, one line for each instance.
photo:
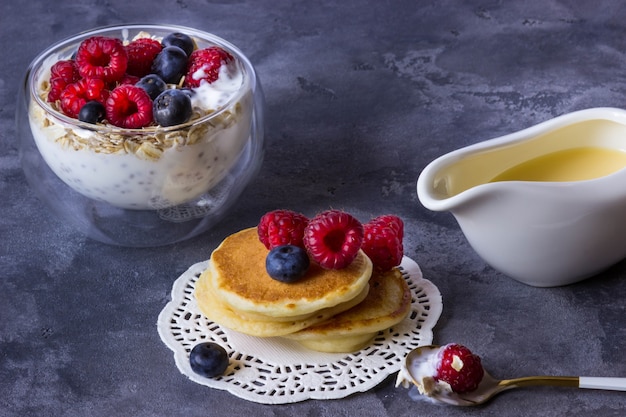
column 588, row 382
column 527, row 381
column 608, row 383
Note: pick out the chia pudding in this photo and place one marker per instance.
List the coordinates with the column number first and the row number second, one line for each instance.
column 152, row 167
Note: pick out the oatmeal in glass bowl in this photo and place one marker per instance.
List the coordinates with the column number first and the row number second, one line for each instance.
column 141, row 135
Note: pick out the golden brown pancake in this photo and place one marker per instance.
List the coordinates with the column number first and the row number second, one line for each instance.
column 387, row 303
column 239, row 280
column 217, row 311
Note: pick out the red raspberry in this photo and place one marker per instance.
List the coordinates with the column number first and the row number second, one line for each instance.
column 459, row 367
column 204, row 64
column 333, row 239
column 65, row 70
column 128, row 79
column 62, row 73
column 57, row 85
column 75, row 95
column 129, row 107
column 102, row 57
column 282, row 227
column 382, row 241
column 392, row 221
column 141, row 53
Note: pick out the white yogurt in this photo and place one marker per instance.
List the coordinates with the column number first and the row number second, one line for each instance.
column 175, row 169
column 421, row 373
column 418, row 374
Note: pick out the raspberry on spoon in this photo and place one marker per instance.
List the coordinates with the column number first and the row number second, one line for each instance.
column 129, row 107
column 460, row 368
column 333, row 238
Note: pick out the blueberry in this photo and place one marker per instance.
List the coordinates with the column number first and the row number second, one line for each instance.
column 92, row 112
column 171, row 107
column 153, row 84
column 181, row 40
column 170, row 64
column 208, row 359
column 190, row 92
column 287, row 263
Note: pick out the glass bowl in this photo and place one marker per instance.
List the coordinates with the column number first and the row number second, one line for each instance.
column 141, row 187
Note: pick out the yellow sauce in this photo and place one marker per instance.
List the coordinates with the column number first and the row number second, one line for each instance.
column 576, row 164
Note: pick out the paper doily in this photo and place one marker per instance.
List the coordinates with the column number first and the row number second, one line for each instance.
column 279, row 371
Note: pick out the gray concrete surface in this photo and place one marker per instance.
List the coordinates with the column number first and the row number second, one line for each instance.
column 361, row 95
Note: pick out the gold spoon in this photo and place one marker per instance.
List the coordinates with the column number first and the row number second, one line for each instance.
column 489, row 386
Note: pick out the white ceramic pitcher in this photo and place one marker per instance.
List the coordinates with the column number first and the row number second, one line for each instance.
column 541, row 233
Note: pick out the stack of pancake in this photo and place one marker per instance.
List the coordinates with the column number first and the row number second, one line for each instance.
column 329, row 310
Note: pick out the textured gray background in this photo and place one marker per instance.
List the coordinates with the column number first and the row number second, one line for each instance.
column 360, row 97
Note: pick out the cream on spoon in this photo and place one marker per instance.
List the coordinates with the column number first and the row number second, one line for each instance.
column 420, row 367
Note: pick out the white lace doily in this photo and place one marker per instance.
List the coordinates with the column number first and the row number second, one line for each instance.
column 280, row 371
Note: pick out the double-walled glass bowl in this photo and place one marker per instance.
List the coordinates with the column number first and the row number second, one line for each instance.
column 140, row 187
